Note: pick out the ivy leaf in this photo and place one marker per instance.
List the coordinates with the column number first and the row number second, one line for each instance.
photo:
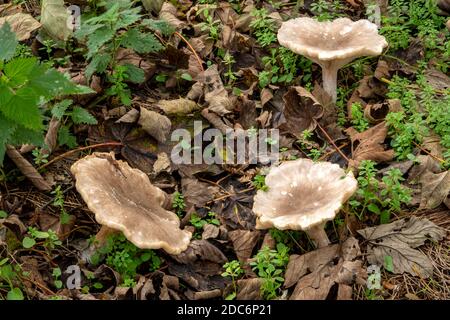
column 9, row 42
column 141, row 42
column 80, row 115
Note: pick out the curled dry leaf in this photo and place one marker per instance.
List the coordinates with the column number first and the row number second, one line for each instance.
column 169, row 13
column 155, row 124
column 301, row 110
column 435, row 189
column 201, row 250
column 177, row 106
column 249, row 289
column 315, row 272
column 22, row 24
column 124, row 199
column 397, row 240
column 367, row 145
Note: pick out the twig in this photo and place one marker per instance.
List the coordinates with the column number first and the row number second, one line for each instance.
column 200, row 62
column 27, row 169
column 68, row 153
column 429, row 153
column 331, row 141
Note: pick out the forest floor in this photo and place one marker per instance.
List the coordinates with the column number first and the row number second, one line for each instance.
column 136, row 71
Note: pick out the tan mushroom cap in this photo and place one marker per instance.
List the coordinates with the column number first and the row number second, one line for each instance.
column 340, row 39
column 302, row 195
column 124, row 199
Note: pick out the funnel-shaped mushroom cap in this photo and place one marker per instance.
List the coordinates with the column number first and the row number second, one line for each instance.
column 124, row 199
column 302, row 195
column 341, row 39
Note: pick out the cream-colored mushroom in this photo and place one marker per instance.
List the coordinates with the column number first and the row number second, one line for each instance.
column 303, row 195
column 331, row 44
column 123, row 198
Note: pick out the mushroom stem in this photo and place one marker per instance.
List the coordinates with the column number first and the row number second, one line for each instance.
column 329, row 79
column 319, row 236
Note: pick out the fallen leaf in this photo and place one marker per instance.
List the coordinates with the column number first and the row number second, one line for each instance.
column 367, row 145
column 54, row 17
column 249, row 289
column 432, row 143
column 22, row 24
column 316, row 272
column 210, row 231
column 201, row 250
column 398, row 240
column 243, row 243
column 155, row 124
column 197, row 193
column 162, row 163
column 177, row 106
column 301, row 110
column 168, row 13
column 435, row 189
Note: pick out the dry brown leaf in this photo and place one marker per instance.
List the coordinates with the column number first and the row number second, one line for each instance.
column 197, row 193
column 301, row 110
column 435, row 189
column 177, row 106
column 316, row 272
column 201, row 250
column 243, row 243
column 210, row 231
column 155, row 124
column 169, row 13
column 432, row 143
column 249, row 289
column 22, row 24
column 367, row 145
column 398, row 240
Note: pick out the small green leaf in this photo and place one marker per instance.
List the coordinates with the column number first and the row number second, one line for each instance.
column 3, row 215
column 28, row 242
column 60, row 108
column 9, row 42
column 374, row 208
column 186, row 76
column 15, row 294
column 80, row 115
column 388, row 263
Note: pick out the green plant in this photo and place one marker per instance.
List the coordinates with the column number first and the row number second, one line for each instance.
column 229, row 61
column 120, row 26
column 9, row 274
column 210, row 25
column 126, row 258
column 263, row 27
column 259, row 182
column 326, row 10
column 358, row 121
column 382, row 198
column 56, row 273
column 49, row 237
column 234, row 270
column 40, row 156
column 270, row 266
column 26, row 85
column 178, row 203
column 58, row 201
column 199, row 222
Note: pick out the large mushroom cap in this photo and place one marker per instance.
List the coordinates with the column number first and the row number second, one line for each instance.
column 341, row 39
column 124, row 199
column 302, row 194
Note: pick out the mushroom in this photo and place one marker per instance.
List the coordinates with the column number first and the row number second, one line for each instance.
column 123, row 198
column 303, row 195
column 331, row 44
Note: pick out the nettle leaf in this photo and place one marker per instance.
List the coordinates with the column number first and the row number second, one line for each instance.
column 135, row 74
column 60, row 108
column 141, row 42
column 66, row 138
column 6, row 131
column 80, row 115
column 18, row 70
column 98, row 64
column 22, row 109
column 98, row 39
column 9, row 42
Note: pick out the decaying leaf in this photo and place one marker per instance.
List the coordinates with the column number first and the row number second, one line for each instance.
column 367, row 145
column 249, row 289
column 243, row 242
column 301, row 110
column 54, row 17
column 177, row 106
column 397, row 240
column 315, row 272
column 197, row 193
column 435, row 189
column 22, row 24
column 155, row 124
column 168, row 13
